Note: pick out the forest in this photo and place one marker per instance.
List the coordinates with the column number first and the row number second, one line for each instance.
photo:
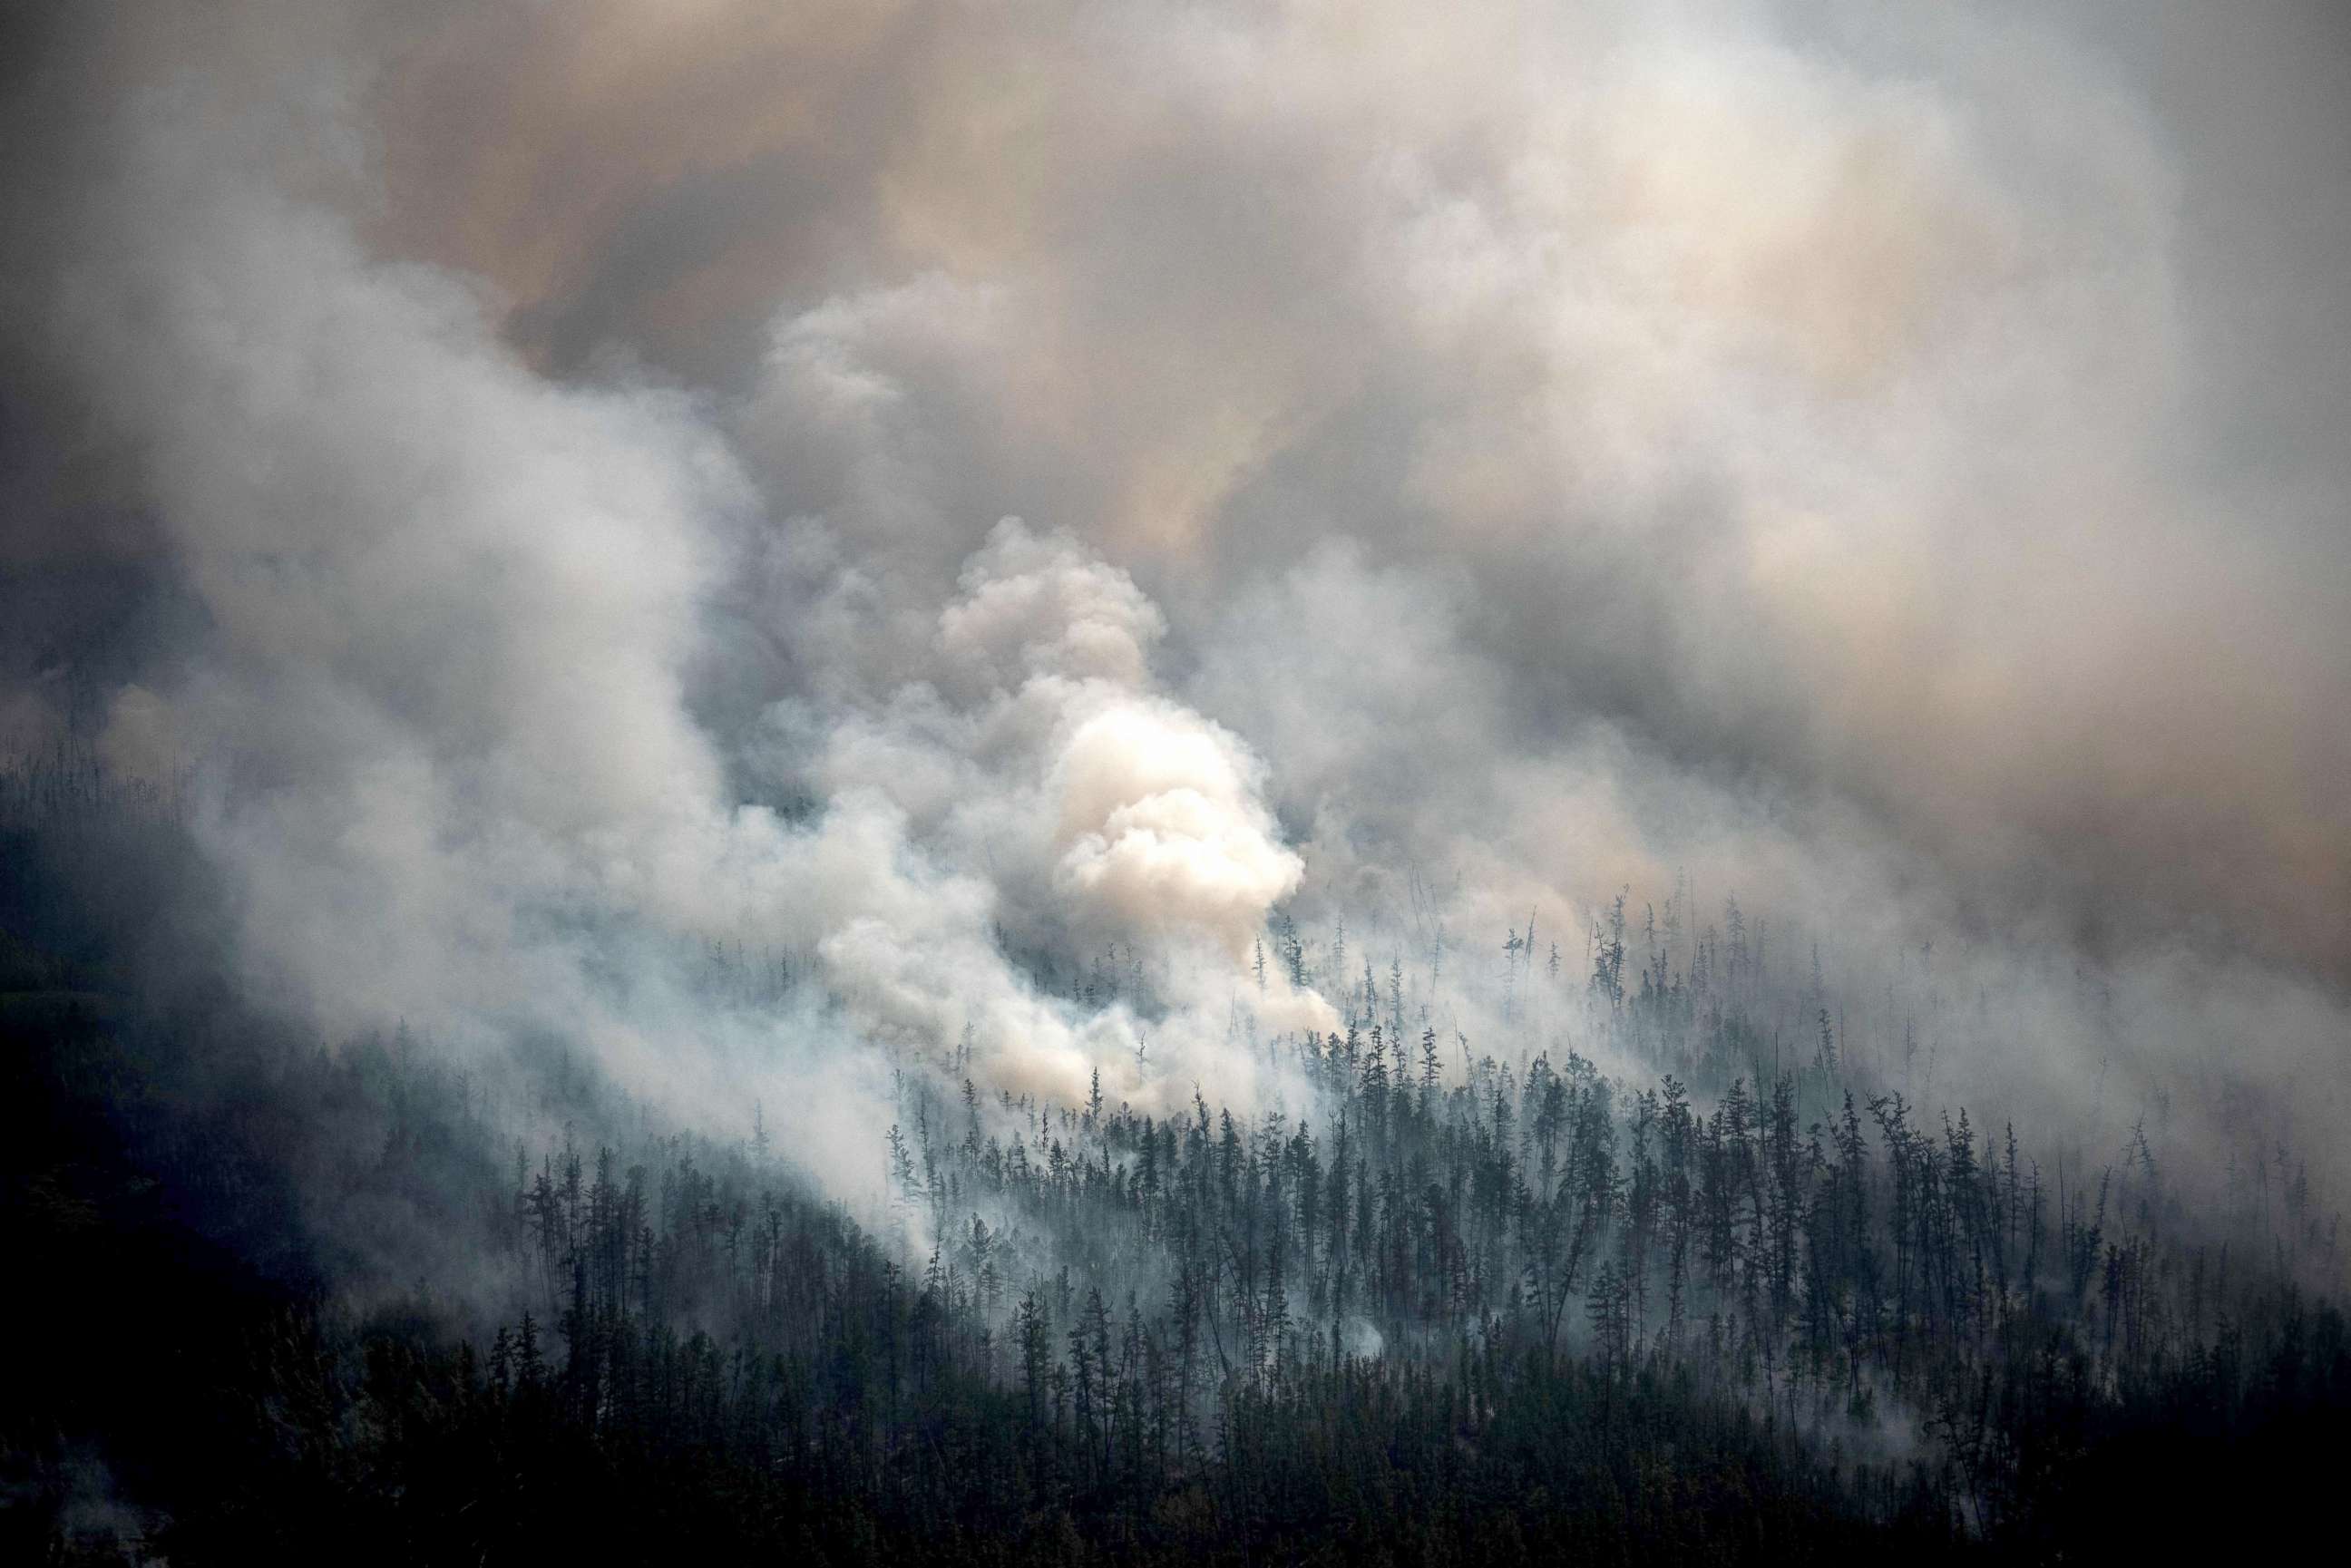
column 1756, row 1303
column 1245, row 782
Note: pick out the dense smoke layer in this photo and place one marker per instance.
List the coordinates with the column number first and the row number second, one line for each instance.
column 541, row 480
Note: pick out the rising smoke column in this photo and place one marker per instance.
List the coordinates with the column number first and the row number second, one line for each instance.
column 1822, row 451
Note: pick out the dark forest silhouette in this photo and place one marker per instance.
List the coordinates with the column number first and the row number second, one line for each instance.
column 1755, row 1305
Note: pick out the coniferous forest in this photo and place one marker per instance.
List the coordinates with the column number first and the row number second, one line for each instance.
column 1243, row 783
column 1754, row 1304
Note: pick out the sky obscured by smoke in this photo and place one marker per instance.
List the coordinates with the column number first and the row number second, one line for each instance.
column 545, row 469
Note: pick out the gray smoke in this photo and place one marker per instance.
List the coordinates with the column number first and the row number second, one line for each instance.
column 1889, row 468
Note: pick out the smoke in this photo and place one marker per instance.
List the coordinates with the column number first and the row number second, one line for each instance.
column 1159, row 824
column 1056, row 801
column 1878, row 465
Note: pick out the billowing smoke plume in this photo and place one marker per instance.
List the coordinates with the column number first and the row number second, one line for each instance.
column 1076, row 807
column 541, row 472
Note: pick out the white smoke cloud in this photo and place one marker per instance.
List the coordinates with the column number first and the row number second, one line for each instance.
column 1032, row 607
column 1092, row 809
column 1164, row 825
column 442, row 705
column 1518, row 458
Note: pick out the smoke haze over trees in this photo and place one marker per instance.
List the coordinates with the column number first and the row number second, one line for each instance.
column 1138, row 780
